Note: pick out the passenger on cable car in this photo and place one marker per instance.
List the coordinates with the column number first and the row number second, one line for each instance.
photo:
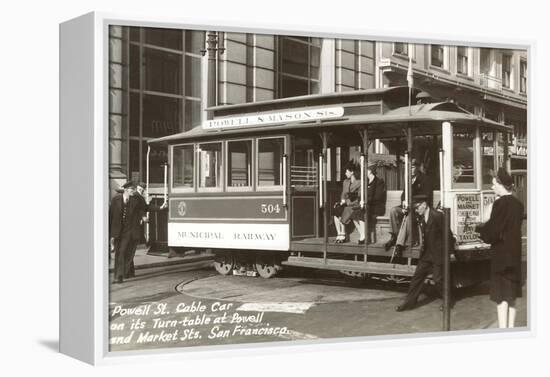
column 376, row 199
column 421, row 184
column 349, row 207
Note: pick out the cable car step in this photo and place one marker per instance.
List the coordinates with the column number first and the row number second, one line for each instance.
column 358, row 266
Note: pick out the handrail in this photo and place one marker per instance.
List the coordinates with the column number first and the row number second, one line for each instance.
column 285, row 158
column 165, row 182
column 362, row 180
column 320, row 176
column 442, row 180
column 147, row 192
column 406, row 179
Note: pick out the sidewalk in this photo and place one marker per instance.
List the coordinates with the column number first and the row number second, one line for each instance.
column 143, row 260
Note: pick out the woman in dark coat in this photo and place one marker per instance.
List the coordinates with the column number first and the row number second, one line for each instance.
column 349, row 208
column 503, row 232
column 376, row 198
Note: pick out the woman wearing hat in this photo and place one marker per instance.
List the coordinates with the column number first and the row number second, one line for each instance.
column 503, row 232
column 349, row 207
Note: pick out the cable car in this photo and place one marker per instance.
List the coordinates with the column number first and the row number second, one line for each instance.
column 256, row 183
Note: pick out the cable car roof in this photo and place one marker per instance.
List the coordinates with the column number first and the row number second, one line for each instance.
column 415, row 115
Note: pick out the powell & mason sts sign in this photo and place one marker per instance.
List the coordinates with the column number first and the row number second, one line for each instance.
column 275, row 118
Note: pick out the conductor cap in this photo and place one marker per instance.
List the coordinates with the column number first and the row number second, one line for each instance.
column 128, row 185
column 420, row 198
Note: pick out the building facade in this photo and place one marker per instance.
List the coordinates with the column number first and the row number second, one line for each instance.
column 159, row 84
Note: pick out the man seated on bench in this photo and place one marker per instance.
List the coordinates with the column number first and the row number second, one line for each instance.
column 421, row 184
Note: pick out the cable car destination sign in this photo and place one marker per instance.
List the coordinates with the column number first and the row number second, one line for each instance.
column 275, row 118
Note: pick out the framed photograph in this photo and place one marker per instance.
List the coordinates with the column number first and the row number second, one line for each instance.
column 250, row 187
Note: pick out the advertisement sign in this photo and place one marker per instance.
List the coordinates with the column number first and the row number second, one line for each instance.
column 488, row 200
column 468, row 214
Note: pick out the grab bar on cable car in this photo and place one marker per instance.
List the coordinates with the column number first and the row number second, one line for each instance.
column 441, row 180
column 320, row 175
column 285, row 159
column 147, row 230
column 362, row 180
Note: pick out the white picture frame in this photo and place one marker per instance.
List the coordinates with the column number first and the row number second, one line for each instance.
column 84, row 132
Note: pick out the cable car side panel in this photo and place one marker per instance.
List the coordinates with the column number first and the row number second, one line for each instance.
column 239, row 222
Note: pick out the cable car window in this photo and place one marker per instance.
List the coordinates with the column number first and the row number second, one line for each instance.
column 270, row 153
column 210, row 165
column 183, row 164
column 487, row 158
column 239, row 165
column 303, row 169
column 463, row 157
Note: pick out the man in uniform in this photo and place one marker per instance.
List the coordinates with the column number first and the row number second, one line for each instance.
column 431, row 252
column 421, row 184
column 125, row 217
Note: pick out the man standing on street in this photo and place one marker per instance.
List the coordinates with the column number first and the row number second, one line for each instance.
column 141, row 196
column 431, row 252
column 125, row 216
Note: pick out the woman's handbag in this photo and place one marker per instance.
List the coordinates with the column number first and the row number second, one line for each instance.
column 337, row 209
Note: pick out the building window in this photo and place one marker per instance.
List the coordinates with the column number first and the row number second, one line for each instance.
column 165, row 92
column 437, row 56
column 523, row 76
column 299, row 65
column 401, row 48
column 506, row 70
column 183, row 166
column 462, row 60
column 239, row 163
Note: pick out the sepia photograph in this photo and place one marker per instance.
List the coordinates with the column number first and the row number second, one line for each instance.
column 276, row 188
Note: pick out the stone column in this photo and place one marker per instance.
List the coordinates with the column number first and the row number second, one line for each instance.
column 117, row 109
column 328, row 68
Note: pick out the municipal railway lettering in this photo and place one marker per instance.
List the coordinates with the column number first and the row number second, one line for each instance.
column 201, row 235
column 254, row 236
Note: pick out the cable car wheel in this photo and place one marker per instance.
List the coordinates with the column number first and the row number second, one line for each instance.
column 355, row 278
column 267, row 266
column 224, row 263
column 354, row 274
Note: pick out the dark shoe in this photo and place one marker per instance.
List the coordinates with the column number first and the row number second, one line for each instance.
column 361, row 242
column 403, row 307
column 398, row 250
column 391, row 242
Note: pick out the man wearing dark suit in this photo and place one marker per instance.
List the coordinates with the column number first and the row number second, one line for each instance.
column 139, row 194
column 431, row 253
column 125, row 215
column 421, row 184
